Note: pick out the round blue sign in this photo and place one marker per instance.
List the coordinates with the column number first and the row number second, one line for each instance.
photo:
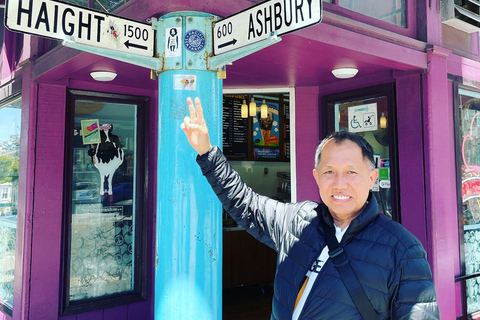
column 194, row 40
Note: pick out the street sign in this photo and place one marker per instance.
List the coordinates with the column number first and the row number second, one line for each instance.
column 58, row 20
column 258, row 22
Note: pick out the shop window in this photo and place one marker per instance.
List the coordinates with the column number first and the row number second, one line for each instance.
column 100, row 5
column 468, row 186
column 10, row 125
column 370, row 112
column 392, row 12
column 106, row 215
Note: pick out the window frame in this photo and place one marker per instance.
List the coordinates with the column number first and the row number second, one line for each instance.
column 5, row 307
column 327, row 113
column 409, row 30
column 458, row 85
column 139, row 292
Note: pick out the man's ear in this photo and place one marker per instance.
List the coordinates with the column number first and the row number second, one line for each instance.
column 315, row 175
column 373, row 177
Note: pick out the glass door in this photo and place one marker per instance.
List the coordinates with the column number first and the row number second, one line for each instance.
column 370, row 112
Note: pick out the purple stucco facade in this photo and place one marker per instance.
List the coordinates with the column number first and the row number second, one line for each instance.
column 421, row 61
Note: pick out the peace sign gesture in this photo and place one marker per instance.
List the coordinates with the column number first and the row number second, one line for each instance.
column 195, row 127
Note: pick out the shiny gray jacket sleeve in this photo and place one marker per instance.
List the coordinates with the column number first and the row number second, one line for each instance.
column 264, row 218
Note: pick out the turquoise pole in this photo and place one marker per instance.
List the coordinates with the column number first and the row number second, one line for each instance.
column 188, row 273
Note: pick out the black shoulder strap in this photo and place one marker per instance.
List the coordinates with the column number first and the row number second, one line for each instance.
column 347, row 275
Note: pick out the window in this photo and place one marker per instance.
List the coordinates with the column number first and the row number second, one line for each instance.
column 10, row 125
column 468, row 186
column 370, row 112
column 391, row 11
column 106, row 215
column 100, row 5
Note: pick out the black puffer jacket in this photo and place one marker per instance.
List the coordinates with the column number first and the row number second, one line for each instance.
column 388, row 260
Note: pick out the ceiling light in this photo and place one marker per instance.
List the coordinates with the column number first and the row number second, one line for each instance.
column 244, row 109
column 103, row 75
column 253, row 108
column 263, row 110
column 344, row 73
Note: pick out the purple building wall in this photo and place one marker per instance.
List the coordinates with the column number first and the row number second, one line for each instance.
column 425, row 132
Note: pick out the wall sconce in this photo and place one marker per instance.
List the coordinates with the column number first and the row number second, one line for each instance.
column 103, row 75
column 345, row 73
column 253, row 108
column 263, row 110
column 244, row 109
column 383, row 121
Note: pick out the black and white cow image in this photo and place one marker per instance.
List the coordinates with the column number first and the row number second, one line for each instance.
column 107, row 156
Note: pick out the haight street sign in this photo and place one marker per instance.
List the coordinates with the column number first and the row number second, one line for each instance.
column 53, row 19
column 257, row 22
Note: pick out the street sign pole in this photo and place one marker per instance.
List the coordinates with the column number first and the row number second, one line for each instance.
column 188, row 273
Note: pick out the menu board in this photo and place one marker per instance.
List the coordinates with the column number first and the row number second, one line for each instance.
column 235, row 128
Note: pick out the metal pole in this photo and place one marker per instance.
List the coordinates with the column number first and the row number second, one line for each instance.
column 188, row 273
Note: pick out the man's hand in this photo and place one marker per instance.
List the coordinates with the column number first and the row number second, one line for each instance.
column 195, row 128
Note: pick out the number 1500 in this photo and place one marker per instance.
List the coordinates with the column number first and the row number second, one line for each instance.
column 135, row 32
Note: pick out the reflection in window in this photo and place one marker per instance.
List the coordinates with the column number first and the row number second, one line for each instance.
column 101, row 5
column 10, row 123
column 391, row 11
column 103, row 199
column 470, row 178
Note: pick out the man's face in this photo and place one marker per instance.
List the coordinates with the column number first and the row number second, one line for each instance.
column 344, row 178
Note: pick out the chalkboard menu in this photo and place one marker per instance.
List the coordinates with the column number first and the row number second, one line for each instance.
column 235, row 128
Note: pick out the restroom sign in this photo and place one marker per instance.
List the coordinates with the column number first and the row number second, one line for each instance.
column 58, row 20
column 362, row 118
column 258, row 22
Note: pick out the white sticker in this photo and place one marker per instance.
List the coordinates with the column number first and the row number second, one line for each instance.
column 173, row 45
column 362, row 118
column 385, row 184
column 184, row 82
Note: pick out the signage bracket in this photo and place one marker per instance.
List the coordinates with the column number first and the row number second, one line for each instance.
column 227, row 58
column 155, row 64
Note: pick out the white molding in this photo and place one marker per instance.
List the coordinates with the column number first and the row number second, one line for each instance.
column 293, row 154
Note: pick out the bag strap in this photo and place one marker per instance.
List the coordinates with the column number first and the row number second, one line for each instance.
column 347, row 275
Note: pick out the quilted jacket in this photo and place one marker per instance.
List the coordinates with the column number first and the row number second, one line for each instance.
column 389, row 262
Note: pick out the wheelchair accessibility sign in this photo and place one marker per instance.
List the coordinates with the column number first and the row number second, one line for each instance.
column 363, row 118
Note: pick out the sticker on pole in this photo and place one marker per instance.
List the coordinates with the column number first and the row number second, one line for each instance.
column 173, row 46
column 184, row 82
column 194, row 40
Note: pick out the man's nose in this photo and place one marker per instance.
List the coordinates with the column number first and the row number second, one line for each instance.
column 340, row 182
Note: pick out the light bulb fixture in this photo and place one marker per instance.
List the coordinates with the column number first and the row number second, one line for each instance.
column 103, row 75
column 383, row 121
column 253, row 108
column 263, row 110
column 344, row 73
column 244, row 109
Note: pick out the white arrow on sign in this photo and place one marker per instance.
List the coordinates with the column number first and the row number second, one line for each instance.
column 258, row 22
column 53, row 19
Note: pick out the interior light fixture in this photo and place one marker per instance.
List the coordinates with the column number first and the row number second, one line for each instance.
column 103, row 75
column 383, row 121
column 253, row 108
column 344, row 73
column 244, row 109
column 263, row 110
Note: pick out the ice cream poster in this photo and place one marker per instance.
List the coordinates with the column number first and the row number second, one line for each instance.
column 266, row 131
column 90, row 131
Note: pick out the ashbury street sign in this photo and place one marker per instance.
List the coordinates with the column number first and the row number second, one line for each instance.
column 62, row 21
column 258, row 22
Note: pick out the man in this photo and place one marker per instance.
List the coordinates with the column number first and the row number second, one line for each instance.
column 388, row 261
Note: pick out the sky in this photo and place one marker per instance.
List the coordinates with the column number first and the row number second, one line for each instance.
column 10, row 121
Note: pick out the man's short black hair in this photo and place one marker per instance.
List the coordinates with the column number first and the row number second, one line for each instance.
column 340, row 136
